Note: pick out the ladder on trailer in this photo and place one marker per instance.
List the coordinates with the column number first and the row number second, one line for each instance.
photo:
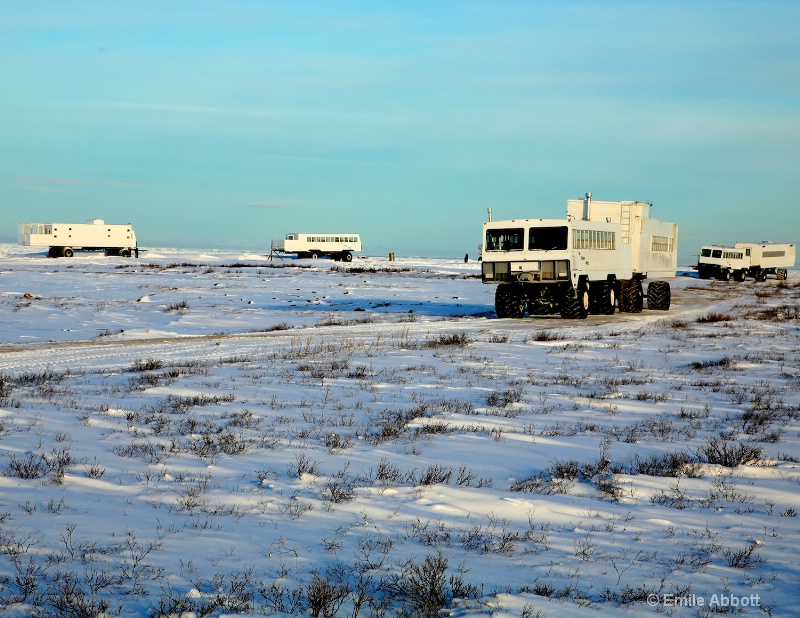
column 626, row 213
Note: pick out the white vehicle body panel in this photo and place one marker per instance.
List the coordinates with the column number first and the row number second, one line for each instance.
column 654, row 243
column 720, row 257
column 768, row 255
column 603, row 238
column 94, row 234
column 322, row 243
column 531, row 265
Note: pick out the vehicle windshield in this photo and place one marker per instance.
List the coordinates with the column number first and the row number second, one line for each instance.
column 705, row 253
column 716, row 253
column 547, row 238
column 512, row 239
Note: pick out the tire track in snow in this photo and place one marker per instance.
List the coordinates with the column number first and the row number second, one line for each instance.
column 113, row 353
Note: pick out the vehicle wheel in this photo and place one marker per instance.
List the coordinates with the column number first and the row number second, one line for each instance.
column 703, row 273
column 611, row 299
column 630, row 296
column 781, row 274
column 313, row 255
column 51, row 252
column 739, row 276
column 658, row 295
column 583, row 300
column 603, row 298
column 724, row 275
column 508, row 302
column 761, row 276
column 124, row 253
column 575, row 305
column 347, row 256
column 68, row 252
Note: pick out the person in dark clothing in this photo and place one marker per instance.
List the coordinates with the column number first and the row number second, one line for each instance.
column 466, row 258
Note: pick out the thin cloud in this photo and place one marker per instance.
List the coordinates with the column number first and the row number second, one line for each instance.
column 272, row 204
column 61, row 184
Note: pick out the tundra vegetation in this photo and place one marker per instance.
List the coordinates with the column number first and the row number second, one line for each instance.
column 388, row 467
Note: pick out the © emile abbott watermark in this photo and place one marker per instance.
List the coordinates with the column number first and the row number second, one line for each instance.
column 714, row 601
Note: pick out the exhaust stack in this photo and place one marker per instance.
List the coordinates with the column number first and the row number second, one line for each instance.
column 587, row 207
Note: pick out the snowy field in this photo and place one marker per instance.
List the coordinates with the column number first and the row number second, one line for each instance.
column 214, row 434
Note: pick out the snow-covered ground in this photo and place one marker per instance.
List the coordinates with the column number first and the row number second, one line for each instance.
column 212, row 433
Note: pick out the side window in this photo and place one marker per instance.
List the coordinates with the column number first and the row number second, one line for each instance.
column 505, row 239
column 548, row 238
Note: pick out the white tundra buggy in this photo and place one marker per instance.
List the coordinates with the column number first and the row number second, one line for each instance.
column 591, row 262
column 335, row 246
column 746, row 258
column 723, row 263
column 63, row 239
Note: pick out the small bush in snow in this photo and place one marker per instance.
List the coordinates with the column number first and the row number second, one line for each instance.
column 337, row 491
column 179, row 306
column 423, row 587
column 724, row 452
column 444, row 340
column 497, row 399
column 714, row 316
column 146, row 365
column 435, row 474
column 741, row 558
column 302, row 465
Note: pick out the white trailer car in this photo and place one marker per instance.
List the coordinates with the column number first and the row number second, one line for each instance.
column 768, row 258
column 755, row 259
column 723, row 263
column 335, row 246
column 63, row 239
column 590, row 262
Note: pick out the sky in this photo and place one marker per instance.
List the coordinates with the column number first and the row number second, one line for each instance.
column 228, row 124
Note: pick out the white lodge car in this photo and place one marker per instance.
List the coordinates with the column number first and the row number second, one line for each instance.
column 63, row 239
column 335, row 246
column 768, row 258
column 757, row 259
column 590, row 262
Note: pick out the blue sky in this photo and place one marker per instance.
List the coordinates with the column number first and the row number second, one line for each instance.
column 227, row 124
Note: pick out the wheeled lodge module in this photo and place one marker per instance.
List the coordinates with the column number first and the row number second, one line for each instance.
column 768, row 258
column 746, row 258
column 592, row 262
column 63, row 239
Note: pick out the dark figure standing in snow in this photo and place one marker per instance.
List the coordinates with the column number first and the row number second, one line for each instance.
column 466, row 258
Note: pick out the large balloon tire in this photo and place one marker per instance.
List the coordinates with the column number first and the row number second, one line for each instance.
column 571, row 307
column 630, row 296
column 659, row 295
column 508, row 302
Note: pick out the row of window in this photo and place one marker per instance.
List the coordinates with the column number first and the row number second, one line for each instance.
column 555, row 238
column 720, row 254
column 37, row 228
column 43, row 228
column 539, row 239
column 593, row 239
column 331, row 238
column 662, row 243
